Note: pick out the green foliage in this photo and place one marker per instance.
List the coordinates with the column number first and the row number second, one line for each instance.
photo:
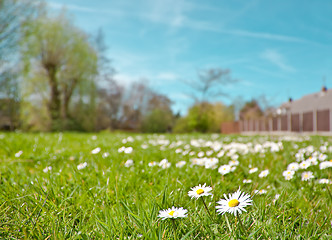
column 204, row 117
column 157, row 121
column 60, row 72
column 106, row 200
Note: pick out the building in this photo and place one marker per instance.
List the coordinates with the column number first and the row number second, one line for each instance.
column 311, row 113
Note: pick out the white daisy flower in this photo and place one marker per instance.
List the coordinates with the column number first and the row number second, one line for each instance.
column 164, row 164
column 144, row 146
column 153, row 163
column 305, row 176
column 260, row 192
column 324, row 181
column 178, row 150
column 180, row 164
column 224, row 169
column 276, row 197
column 247, row 181
column 128, row 150
column 305, row 164
column 221, row 153
column 96, row 150
column 45, row 170
column 264, row 173
column 288, row 174
column 252, row 170
column 121, row 149
column 200, row 191
column 325, row 164
column 211, row 163
column 18, row 154
column 322, row 157
column 294, row 166
column 233, row 162
column 209, row 153
column 172, row 213
column 105, row 154
column 81, row 166
column 235, row 203
column 200, row 154
column 129, row 163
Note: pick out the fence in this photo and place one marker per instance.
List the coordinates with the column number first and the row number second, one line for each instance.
column 312, row 121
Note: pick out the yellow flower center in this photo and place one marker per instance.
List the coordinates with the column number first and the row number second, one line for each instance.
column 200, row 191
column 306, row 175
column 233, row 203
column 171, row 213
column 331, row 160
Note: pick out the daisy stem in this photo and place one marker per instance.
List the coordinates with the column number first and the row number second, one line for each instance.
column 241, row 224
column 174, row 229
column 206, row 208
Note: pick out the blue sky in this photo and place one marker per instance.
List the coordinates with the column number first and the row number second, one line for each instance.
column 280, row 48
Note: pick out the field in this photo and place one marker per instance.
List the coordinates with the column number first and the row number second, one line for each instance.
column 113, row 186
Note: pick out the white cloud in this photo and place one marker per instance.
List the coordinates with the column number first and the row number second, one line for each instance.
column 277, row 59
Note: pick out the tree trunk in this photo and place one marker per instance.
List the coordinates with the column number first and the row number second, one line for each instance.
column 68, row 92
column 54, row 105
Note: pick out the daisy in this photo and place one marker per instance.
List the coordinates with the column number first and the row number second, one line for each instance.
column 235, row 203
column 224, row 169
column 322, row 157
column 233, row 162
column 153, row 163
column 211, row 163
column 247, row 181
column 81, row 165
column 164, row 164
column 200, row 191
column 264, row 173
column 260, row 192
column 18, row 154
column 294, row 166
column 306, row 176
column 144, row 146
column 96, row 150
column 129, row 163
column 200, row 154
column 324, row 181
column 252, row 170
column 305, row 164
column 121, row 149
column 180, row 164
column 128, row 150
column 288, row 174
column 325, row 164
column 45, row 170
column 172, row 213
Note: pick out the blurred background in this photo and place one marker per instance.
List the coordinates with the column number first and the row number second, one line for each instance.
column 162, row 65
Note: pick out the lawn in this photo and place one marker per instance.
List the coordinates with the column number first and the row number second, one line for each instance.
column 116, row 185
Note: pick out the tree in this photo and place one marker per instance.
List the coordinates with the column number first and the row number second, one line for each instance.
column 13, row 15
column 60, row 60
column 159, row 116
column 210, row 83
column 109, row 105
column 251, row 110
column 205, row 117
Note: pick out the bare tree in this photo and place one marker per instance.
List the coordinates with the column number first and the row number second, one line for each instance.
column 210, row 84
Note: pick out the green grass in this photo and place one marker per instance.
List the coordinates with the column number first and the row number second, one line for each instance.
column 107, row 200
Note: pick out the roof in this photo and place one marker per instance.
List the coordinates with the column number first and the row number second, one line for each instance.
column 316, row 101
